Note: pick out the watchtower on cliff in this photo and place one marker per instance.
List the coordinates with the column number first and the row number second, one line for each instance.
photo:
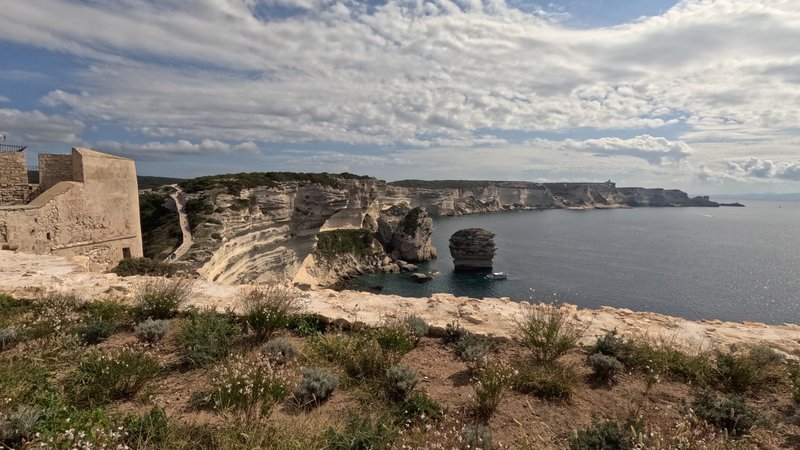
column 84, row 204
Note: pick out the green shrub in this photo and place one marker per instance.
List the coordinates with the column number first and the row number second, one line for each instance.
column 657, row 357
column 197, row 211
column 606, row 368
column 95, row 331
column 206, row 337
column 794, row 378
column 550, row 381
column 279, row 350
column 110, row 311
column 611, row 344
column 418, row 327
column 18, row 425
column 491, row 380
column 8, row 338
column 160, row 298
column 395, row 337
column 418, row 408
column 143, row 266
column 23, row 381
column 306, row 324
column 549, row 331
column 453, row 333
column 748, row 372
column 361, row 433
column 70, row 428
column 400, row 381
column 101, row 378
column 731, row 414
column 150, row 330
column 316, row 387
column 54, row 317
column 150, row 430
column 358, row 354
column 248, row 386
column 339, row 242
column 269, row 309
column 602, row 436
column 11, row 308
column 477, row 437
column 473, row 348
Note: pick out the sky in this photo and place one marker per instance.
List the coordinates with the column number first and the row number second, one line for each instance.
column 699, row 95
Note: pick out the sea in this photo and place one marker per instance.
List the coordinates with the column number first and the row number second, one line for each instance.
column 727, row 263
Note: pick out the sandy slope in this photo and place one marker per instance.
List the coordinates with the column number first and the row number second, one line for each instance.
column 26, row 275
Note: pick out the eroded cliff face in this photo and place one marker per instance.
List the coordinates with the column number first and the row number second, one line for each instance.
column 498, row 196
column 266, row 234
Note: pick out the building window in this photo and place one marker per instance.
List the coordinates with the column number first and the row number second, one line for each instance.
column 126, row 253
column 49, row 237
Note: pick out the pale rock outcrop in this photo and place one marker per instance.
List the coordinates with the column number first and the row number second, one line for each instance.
column 472, row 249
column 28, row 276
column 411, row 240
column 267, row 233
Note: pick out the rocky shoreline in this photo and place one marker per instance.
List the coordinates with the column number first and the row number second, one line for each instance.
column 28, row 276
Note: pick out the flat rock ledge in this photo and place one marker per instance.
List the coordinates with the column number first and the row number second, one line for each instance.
column 28, row 276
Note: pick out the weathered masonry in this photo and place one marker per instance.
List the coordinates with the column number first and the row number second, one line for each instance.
column 83, row 205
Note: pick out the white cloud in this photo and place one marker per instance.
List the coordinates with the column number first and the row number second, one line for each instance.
column 35, row 128
column 4, row 99
column 157, row 149
column 429, row 75
column 654, row 150
column 765, row 169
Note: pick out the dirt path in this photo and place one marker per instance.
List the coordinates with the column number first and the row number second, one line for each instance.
column 180, row 202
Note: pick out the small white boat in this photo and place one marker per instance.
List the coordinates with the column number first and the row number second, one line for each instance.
column 497, row 276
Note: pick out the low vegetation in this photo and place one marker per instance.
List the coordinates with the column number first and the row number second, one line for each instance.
column 269, row 309
column 549, row 331
column 441, row 184
column 235, row 182
column 341, row 242
column 206, row 337
column 198, row 211
column 205, row 379
column 160, row 298
column 143, row 266
column 161, row 228
column 151, row 331
column 102, row 378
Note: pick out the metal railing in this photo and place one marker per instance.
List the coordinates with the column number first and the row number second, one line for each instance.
column 12, row 148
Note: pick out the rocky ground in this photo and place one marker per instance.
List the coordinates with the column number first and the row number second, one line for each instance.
column 27, row 276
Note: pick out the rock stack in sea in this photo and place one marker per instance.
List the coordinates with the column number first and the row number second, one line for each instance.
column 472, row 249
column 406, row 234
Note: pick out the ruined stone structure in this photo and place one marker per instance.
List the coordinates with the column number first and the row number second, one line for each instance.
column 14, row 186
column 86, row 206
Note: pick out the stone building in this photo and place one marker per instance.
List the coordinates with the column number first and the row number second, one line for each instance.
column 85, row 205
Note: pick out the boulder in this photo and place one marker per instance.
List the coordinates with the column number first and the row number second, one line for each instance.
column 472, row 249
column 421, row 277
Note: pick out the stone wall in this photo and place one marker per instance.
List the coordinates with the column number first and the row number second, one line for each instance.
column 53, row 169
column 95, row 219
column 13, row 178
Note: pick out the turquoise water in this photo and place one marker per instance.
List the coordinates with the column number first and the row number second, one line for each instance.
column 700, row 263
